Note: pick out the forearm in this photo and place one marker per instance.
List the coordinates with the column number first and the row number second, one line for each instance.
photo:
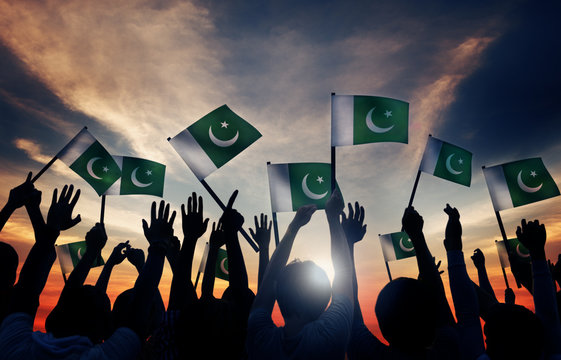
column 103, row 280
column 5, row 214
column 263, row 262
column 36, row 218
column 546, row 305
column 484, row 282
column 236, row 265
column 209, row 274
column 182, row 291
column 341, row 257
column 78, row 276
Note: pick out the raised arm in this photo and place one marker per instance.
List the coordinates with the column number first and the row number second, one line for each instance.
column 533, row 236
column 463, row 292
column 412, row 224
column 182, row 291
column 479, row 261
column 117, row 256
column 232, row 222
column 18, row 197
column 159, row 234
column 95, row 241
column 262, row 236
column 216, row 242
column 265, row 298
column 35, row 271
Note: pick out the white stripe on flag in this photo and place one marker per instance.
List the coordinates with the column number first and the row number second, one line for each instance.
column 203, row 259
column 503, row 255
column 64, row 259
column 115, row 189
column 342, row 120
column 279, row 187
column 387, row 247
column 76, row 147
column 193, row 154
column 430, row 157
column 498, row 189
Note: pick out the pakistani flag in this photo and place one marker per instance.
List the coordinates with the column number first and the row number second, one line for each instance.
column 297, row 184
column 139, row 177
column 396, row 246
column 519, row 183
column 214, row 140
column 70, row 254
column 447, row 161
column 517, row 252
column 89, row 159
column 222, row 265
column 367, row 119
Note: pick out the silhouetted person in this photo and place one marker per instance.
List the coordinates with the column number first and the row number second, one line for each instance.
column 478, row 259
column 303, row 292
column 262, row 236
column 8, row 270
column 413, row 314
column 19, row 196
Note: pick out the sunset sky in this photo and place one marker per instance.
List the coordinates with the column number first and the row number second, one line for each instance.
column 483, row 75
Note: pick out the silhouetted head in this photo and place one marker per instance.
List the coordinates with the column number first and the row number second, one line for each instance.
column 8, row 265
column 303, row 290
column 84, row 311
column 505, row 324
column 406, row 314
column 122, row 310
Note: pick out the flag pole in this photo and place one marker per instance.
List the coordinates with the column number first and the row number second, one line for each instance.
column 44, row 169
column 414, row 188
column 223, row 207
column 503, row 269
column 503, row 234
column 197, row 280
column 102, row 214
column 388, row 270
column 333, row 156
column 275, row 223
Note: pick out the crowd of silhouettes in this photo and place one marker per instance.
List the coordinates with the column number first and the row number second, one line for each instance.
column 322, row 320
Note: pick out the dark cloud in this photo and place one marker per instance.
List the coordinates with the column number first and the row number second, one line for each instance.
column 509, row 108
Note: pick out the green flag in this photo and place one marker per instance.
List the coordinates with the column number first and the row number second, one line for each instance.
column 214, row 140
column 447, row 161
column 296, row 184
column 396, row 246
column 519, row 183
column 89, row 159
column 222, row 265
column 517, row 252
column 70, row 254
column 139, row 177
column 366, row 119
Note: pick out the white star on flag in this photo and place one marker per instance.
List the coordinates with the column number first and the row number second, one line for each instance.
column 388, row 113
column 224, row 124
column 533, row 173
column 461, row 161
column 105, row 169
column 148, row 172
column 319, row 179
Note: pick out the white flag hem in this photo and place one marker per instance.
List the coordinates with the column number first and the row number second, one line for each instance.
column 193, row 154
column 342, row 120
column 76, row 147
column 387, row 247
column 498, row 188
column 66, row 264
column 430, row 157
column 279, row 187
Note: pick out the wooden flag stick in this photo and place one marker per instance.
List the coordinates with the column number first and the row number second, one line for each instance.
column 503, row 233
column 197, row 280
column 102, row 214
column 333, row 160
column 504, row 275
column 275, row 222
column 44, row 169
column 414, row 188
column 223, row 207
column 388, row 270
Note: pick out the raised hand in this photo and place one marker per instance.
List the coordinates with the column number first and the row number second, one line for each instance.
column 262, row 233
column 60, row 213
column 160, row 231
column 21, row 194
column 135, row 257
column 353, row 225
column 232, row 220
column 96, row 238
column 412, row 222
column 556, row 270
column 453, row 234
column 532, row 235
column 194, row 226
column 119, row 253
column 478, row 259
column 172, row 253
column 217, row 238
column 335, row 205
column 303, row 215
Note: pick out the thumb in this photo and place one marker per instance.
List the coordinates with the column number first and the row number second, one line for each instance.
column 76, row 220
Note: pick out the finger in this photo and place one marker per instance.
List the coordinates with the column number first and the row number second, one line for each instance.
column 213, row 226
column 357, row 210
column 232, row 199
column 200, row 208
column 270, row 224
column 55, row 194
column 144, row 226
column 195, row 207
column 166, row 211
column 75, row 221
column 351, row 212
column 161, row 209
column 251, row 233
column 69, row 194
column 524, row 224
column 343, row 216
column 183, row 214
column 263, row 221
column 28, row 180
column 256, row 222
column 361, row 216
column 172, row 218
column 518, row 231
column 63, row 192
column 205, row 225
column 75, row 199
column 190, row 205
column 153, row 211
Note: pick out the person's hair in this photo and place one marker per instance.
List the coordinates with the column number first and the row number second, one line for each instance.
column 406, row 314
column 84, row 311
column 8, row 265
column 507, row 322
column 303, row 290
